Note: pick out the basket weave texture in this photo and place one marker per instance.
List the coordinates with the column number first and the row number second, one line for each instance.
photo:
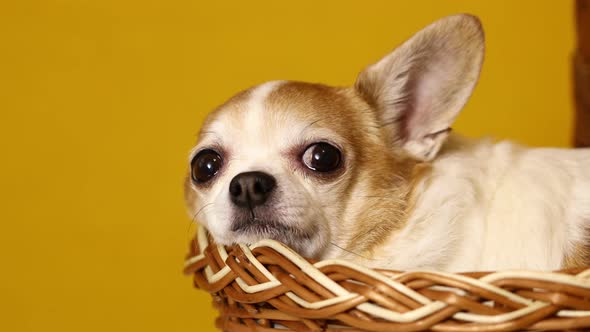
column 268, row 287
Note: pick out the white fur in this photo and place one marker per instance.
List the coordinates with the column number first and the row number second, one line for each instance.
column 496, row 206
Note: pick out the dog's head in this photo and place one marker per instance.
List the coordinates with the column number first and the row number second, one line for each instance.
column 311, row 165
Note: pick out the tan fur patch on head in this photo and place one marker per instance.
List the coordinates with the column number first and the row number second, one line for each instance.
column 322, row 106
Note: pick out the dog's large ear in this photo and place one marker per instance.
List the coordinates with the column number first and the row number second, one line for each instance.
column 421, row 86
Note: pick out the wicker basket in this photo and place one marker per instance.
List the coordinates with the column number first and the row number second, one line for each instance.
column 268, row 287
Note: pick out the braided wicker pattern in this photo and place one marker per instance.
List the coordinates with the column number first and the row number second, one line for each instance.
column 268, row 287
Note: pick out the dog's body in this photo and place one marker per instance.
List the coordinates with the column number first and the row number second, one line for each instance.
column 489, row 206
column 370, row 172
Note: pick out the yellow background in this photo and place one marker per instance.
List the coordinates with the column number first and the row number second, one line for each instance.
column 100, row 102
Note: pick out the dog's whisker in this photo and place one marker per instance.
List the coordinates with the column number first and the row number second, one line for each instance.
column 311, row 124
column 352, row 252
column 374, row 196
column 193, row 222
column 194, row 219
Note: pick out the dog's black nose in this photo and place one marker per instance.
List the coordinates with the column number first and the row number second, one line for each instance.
column 251, row 188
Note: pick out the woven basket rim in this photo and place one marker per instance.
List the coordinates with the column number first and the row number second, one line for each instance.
column 270, row 277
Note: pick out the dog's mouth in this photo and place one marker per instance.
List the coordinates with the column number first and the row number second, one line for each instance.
column 257, row 225
column 258, row 229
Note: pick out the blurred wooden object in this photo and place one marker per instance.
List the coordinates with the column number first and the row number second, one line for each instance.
column 582, row 75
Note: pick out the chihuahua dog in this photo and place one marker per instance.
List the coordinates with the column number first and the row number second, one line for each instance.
column 371, row 172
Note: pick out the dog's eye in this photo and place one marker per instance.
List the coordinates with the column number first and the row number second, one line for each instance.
column 205, row 165
column 321, row 157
